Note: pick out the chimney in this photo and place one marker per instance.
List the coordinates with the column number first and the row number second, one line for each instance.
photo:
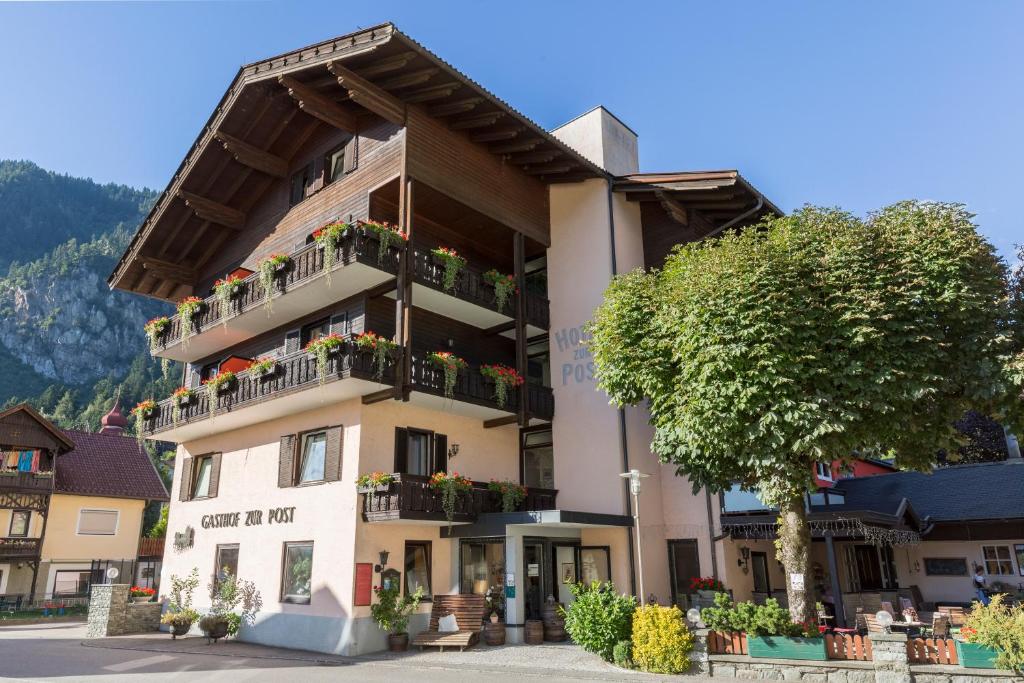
column 602, row 138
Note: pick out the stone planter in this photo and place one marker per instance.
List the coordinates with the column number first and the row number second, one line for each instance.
column 398, row 642
column 783, row 647
column 975, row 656
column 139, row 599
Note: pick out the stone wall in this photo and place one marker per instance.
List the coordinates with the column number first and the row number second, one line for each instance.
column 111, row 613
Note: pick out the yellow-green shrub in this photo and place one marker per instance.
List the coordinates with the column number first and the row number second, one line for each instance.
column 661, row 641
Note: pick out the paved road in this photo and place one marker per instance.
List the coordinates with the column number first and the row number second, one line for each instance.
column 59, row 652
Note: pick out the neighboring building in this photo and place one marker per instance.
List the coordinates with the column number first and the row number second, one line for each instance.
column 72, row 507
column 373, row 127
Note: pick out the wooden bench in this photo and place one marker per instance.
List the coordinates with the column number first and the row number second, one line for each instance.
column 469, row 611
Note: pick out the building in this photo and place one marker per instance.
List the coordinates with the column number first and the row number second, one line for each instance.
column 71, row 508
column 370, row 128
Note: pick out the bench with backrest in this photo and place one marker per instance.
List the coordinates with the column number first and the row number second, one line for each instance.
column 469, row 611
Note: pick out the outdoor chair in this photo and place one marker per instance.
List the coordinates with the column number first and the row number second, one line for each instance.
column 872, row 623
column 906, row 604
column 887, row 606
column 469, row 611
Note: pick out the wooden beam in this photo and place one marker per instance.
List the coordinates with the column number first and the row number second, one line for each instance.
column 317, row 105
column 499, row 328
column 212, row 211
column 368, row 95
column 252, row 156
column 521, row 146
column 497, row 135
column 545, row 169
column 540, row 157
column 409, row 79
column 434, row 92
column 386, row 65
column 381, row 289
column 378, row 396
column 476, row 121
column 501, row 421
column 519, row 256
column 167, row 270
column 456, row 107
column 674, row 209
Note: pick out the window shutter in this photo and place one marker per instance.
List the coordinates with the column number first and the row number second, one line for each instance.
column 401, row 449
column 214, row 474
column 338, row 323
column 332, row 458
column 286, row 465
column 317, row 166
column 440, row 453
column 185, row 485
column 291, row 341
column 193, row 377
column 351, row 154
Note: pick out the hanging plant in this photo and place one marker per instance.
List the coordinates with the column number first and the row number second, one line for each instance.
column 188, row 309
column 387, row 234
column 512, row 494
column 504, row 378
column 215, row 385
column 450, row 486
column 504, row 287
column 165, row 367
column 451, row 364
column 181, row 397
column 453, row 265
column 155, row 330
column 323, row 347
column 381, row 348
column 329, row 238
column 142, row 412
column 269, row 270
column 226, row 290
column 263, row 367
column 375, row 481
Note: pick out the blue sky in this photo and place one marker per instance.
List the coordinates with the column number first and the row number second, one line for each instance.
column 855, row 104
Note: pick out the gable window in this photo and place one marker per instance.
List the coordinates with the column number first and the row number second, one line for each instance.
column 315, row 330
column 203, row 467
column 297, row 574
column 314, row 453
column 417, row 567
column 301, row 184
column 538, row 459
column 340, row 160
column 823, row 470
column 420, row 452
column 997, row 560
column 20, row 522
column 97, row 522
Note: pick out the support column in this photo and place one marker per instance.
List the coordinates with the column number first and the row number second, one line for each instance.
column 515, row 608
column 403, row 295
column 519, row 252
column 833, row 570
column 889, row 658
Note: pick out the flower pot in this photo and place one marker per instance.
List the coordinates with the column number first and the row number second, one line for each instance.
column 180, row 629
column 139, row 599
column 398, row 642
column 784, row 647
column 281, row 267
column 975, row 656
column 217, row 631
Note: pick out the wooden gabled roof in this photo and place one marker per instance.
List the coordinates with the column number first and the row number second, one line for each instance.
column 23, row 426
column 275, row 105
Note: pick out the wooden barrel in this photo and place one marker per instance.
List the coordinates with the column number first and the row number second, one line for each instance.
column 552, row 613
column 554, row 631
column 494, row 633
column 534, row 632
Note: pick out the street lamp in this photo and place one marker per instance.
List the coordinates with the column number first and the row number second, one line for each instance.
column 634, row 477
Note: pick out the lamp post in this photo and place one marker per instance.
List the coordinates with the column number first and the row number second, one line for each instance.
column 634, row 477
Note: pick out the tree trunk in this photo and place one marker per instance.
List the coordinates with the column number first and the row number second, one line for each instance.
column 795, row 552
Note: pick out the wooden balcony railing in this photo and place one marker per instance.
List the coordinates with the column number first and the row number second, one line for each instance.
column 411, row 497
column 151, row 547
column 30, row 482
column 307, row 263
column 19, row 548
column 470, row 286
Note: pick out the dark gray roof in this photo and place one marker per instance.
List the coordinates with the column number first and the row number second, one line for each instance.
column 985, row 491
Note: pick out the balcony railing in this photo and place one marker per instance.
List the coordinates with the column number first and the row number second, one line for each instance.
column 410, row 497
column 151, row 547
column 33, row 482
column 19, row 548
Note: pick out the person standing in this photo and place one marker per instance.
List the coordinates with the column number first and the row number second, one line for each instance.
column 979, row 585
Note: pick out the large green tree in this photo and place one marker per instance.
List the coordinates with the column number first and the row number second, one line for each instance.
column 808, row 338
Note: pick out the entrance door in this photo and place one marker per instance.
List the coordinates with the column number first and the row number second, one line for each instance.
column 533, row 585
column 759, row 568
column 869, row 569
column 564, row 570
column 683, row 565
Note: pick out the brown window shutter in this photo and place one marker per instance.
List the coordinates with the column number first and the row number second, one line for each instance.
column 292, row 339
column 401, row 449
column 332, row 458
column 440, row 453
column 184, row 492
column 286, row 465
column 214, row 474
column 351, row 154
column 317, row 166
column 338, row 323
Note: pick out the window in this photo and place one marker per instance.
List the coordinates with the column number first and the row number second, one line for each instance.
column 315, row 330
column 97, row 522
column 226, row 562
column 538, row 362
column 823, row 470
column 417, row 567
column 339, row 161
column 683, row 565
column 20, row 520
column 420, row 452
column 69, row 583
column 301, row 184
column 209, row 370
column 203, row 468
column 483, row 566
column 1019, row 549
column 536, row 272
column 997, row 560
column 314, row 453
column 538, row 459
column 298, row 572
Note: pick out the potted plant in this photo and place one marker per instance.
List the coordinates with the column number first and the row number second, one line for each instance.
column 451, row 365
column 218, row 384
column 494, row 630
column 392, row 612
column 226, row 291
column 141, row 594
column 386, row 234
column 381, row 348
column 328, row 238
column 142, row 412
column 374, row 482
column 180, row 622
column 323, row 347
column 180, row 615
column 181, row 397
column 992, row 636
column 706, row 586
column 263, row 367
column 155, row 329
column 188, row 309
column 214, row 626
column 771, row 632
column 452, row 264
column 504, row 378
column 450, row 486
column 504, row 287
column 512, row 494
column 233, row 602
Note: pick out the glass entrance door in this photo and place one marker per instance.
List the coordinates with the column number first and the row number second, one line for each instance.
column 533, row 584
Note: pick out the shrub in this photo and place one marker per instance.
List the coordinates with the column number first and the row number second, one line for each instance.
column 1000, row 627
column 622, row 654
column 661, row 641
column 769, row 619
column 599, row 617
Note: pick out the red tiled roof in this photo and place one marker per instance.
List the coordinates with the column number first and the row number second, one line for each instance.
column 107, row 465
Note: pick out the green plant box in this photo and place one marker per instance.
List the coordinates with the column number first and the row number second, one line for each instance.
column 781, row 647
column 975, row 656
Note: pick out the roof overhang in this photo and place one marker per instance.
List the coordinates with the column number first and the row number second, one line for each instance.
column 495, row 523
column 61, row 444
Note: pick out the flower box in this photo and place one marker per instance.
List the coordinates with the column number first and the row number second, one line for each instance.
column 975, row 656
column 784, row 647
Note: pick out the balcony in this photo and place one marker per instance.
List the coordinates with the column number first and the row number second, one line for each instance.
column 302, row 289
column 19, row 548
column 410, row 498
column 27, row 482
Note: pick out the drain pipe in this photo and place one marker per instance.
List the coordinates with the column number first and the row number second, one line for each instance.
column 711, row 535
column 623, row 443
column 734, row 221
